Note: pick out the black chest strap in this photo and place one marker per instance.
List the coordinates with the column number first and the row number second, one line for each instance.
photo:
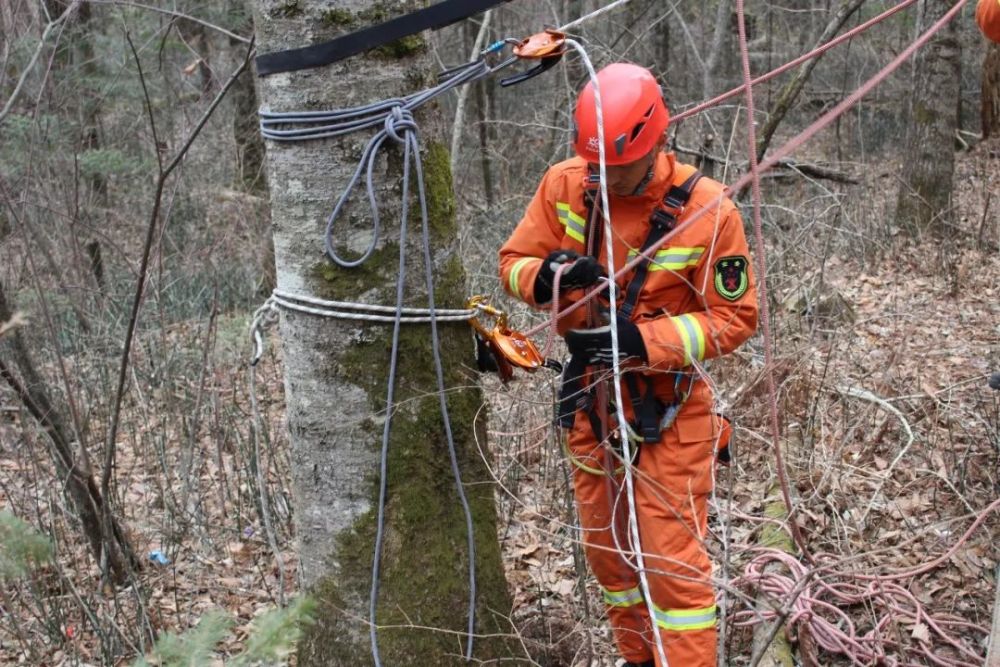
column 661, row 222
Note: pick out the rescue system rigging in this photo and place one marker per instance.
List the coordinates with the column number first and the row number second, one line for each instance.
column 503, row 348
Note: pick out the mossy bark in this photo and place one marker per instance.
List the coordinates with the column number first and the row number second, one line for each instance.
column 336, row 373
column 778, row 652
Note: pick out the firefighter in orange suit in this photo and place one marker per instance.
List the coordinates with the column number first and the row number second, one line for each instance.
column 695, row 300
column 988, row 18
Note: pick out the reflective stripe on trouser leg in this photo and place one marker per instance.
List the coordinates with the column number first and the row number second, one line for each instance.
column 672, row 511
column 679, row 574
column 626, row 609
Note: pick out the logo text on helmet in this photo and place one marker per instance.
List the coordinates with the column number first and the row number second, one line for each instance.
column 593, row 144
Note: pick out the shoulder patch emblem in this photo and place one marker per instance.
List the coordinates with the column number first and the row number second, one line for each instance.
column 731, row 279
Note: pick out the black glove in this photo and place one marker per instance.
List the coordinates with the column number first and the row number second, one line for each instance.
column 593, row 346
column 584, row 272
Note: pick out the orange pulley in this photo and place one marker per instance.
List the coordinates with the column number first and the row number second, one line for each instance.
column 546, row 44
column 509, row 348
column 547, row 47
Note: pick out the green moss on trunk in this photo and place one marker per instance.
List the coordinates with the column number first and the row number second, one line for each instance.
column 424, row 585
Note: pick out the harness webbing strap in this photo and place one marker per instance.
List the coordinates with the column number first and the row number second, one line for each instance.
column 326, row 53
column 661, row 223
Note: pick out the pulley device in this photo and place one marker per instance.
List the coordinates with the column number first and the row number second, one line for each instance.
column 547, row 47
column 499, row 347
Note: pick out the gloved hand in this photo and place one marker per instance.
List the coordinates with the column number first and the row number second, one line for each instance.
column 583, row 272
column 593, row 346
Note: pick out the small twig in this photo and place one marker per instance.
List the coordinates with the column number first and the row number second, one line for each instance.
column 993, row 654
column 779, row 619
column 872, row 398
column 34, row 58
column 982, row 221
column 147, row 251
column 265, row 512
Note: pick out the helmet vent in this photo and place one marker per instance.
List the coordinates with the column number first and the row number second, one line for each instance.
column 636, row 130
column 649, row 112
column 620, row 144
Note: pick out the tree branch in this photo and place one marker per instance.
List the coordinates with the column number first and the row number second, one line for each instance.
column 34, row 58
column 109, row 452
column 792, row 89
column 175, row 14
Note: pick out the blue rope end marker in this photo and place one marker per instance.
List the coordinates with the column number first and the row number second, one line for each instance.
column 158, row 558
column 494, row 47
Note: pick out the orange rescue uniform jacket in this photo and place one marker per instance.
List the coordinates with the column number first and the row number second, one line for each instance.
column 698, row 301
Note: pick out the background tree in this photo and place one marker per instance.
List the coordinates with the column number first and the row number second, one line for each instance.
column 990, row 106
column 928, row 167
column 335, row 371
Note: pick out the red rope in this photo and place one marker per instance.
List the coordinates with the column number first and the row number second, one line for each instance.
column 760, row 254
column 836, row 41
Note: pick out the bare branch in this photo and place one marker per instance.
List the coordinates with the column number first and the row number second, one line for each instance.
column 52, row 25
column 109, row 452
column 175, row 14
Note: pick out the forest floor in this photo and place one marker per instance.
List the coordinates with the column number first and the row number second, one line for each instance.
column 866, row 355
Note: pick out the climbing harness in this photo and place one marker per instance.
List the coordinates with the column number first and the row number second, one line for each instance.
column 651, row 415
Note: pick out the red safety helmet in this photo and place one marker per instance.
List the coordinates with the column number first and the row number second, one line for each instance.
column 635, row 115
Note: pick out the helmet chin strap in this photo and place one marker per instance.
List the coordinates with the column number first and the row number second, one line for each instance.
column 641, row 187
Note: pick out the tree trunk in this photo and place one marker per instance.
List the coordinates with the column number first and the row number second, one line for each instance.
column 335, row 371
column 991, row 91
column 928, row 167
column 250, row 145
column 108, row 543
column 791, row 91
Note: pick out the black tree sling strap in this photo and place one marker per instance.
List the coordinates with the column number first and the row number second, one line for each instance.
column 436, row 16
column 649, row 411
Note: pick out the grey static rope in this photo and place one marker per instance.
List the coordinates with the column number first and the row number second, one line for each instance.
column 323, row 124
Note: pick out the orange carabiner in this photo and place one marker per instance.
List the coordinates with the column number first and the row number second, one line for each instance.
column 510, row 348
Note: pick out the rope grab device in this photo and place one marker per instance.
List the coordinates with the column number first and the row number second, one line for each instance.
column 501, row 345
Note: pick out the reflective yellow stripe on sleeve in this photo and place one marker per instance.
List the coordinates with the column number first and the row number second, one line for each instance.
column 575, row 225
column 673, row 259
column 692, row 337
column 680, row 620
column 627, row 598
column 515, row 272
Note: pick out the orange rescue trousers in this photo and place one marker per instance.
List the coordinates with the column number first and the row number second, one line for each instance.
column 672, row 481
